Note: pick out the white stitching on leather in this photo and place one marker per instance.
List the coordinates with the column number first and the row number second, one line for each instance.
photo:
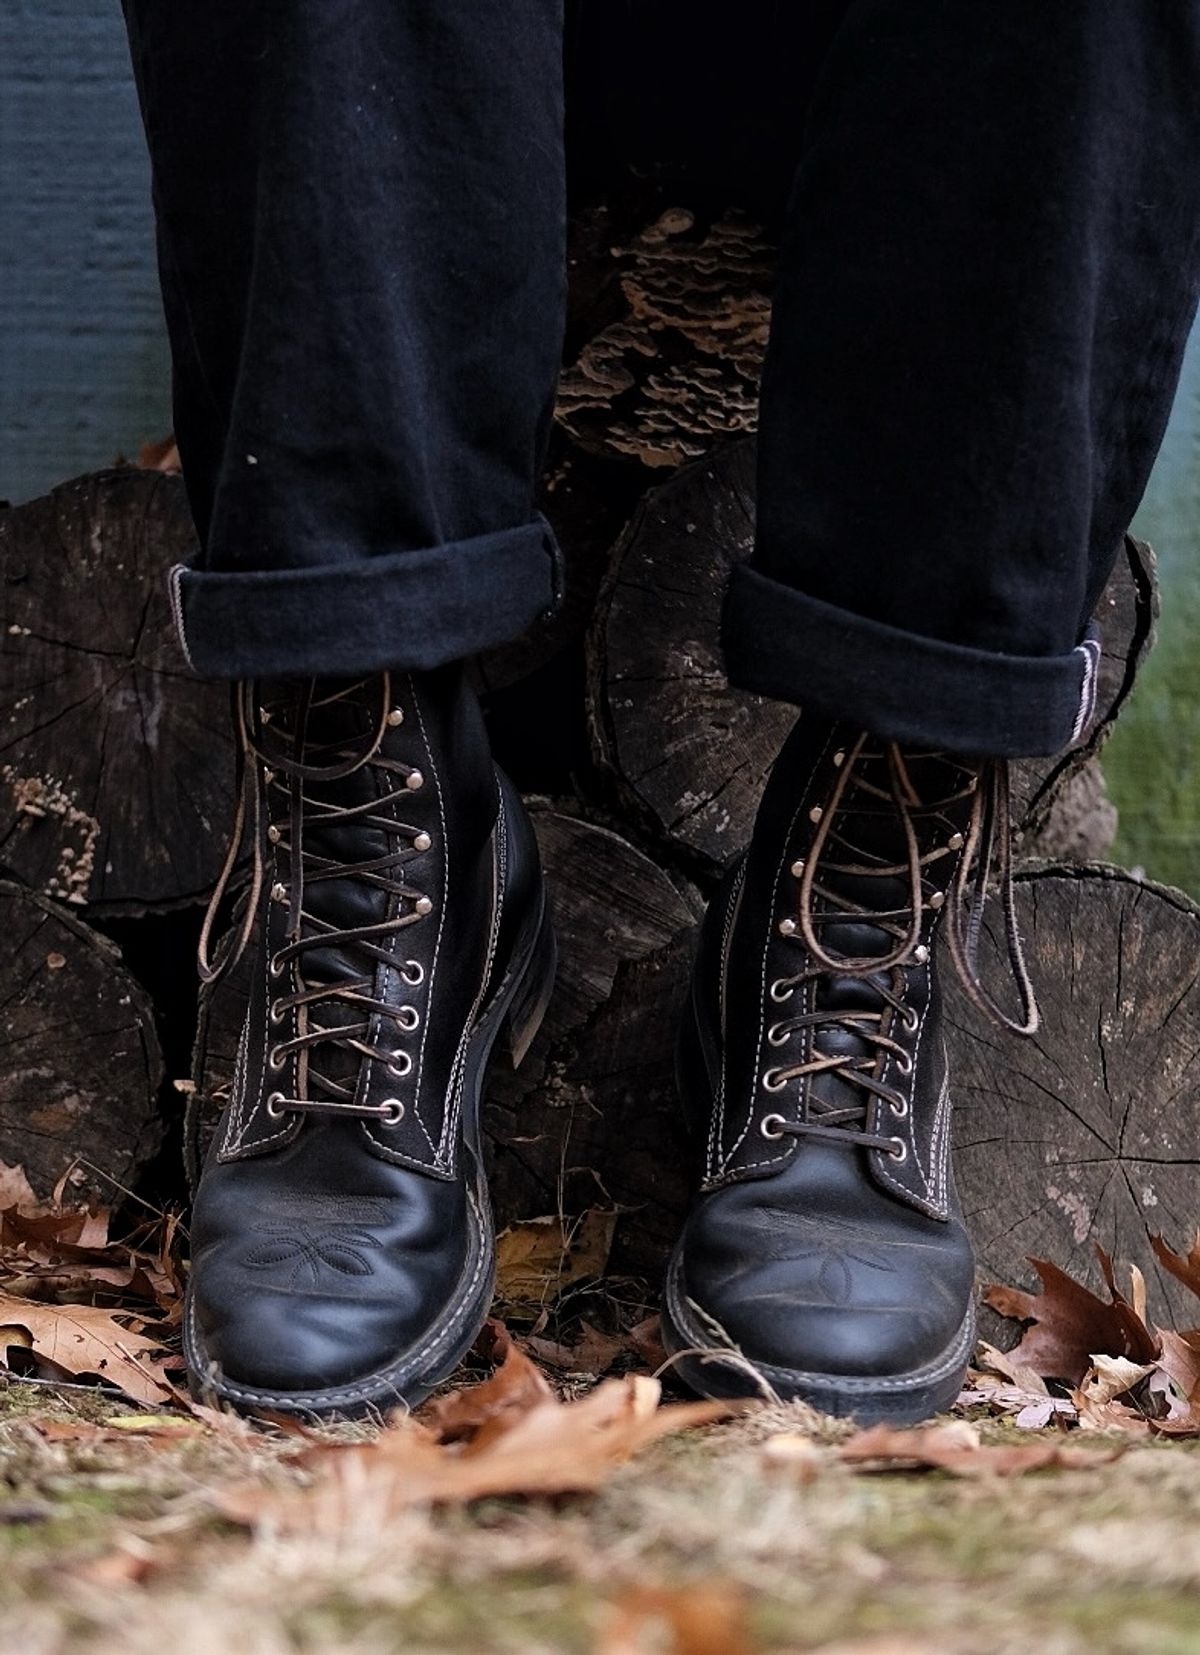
column 175, row 597
column 717, row 1115
column 786, row 1154
column 458, row 1068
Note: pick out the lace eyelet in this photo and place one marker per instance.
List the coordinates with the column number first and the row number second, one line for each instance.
column 276, row 967
column 275, row 1060
column 275, row 1105
column 400, row 1057
column 391, row 1111
column 413, row 973
column 899, row 1151
column 275, row 1016
column 921, row 954
column 904, row 1063
column 788, row 990
column 771, row 1081
column 775, row 1037
column 771, row 1126
column 911, row 1020
column 408, row 1017
column 899, row 1108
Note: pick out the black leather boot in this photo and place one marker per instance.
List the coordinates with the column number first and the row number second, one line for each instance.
column 826, row 1251
column 342, row 1254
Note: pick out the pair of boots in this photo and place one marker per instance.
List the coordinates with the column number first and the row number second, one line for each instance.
column 342, row 1253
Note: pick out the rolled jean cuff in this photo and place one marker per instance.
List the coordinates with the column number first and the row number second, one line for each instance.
column 408, row 610
column 899, row 685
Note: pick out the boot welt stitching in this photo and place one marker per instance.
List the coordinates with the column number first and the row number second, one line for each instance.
column 943, row 1365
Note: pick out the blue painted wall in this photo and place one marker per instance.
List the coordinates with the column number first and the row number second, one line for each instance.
column 84, row 371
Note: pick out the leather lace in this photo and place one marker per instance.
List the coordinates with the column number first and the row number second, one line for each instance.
column 873, row 781
column 285, row 757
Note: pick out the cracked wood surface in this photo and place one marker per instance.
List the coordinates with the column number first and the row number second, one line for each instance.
column 1087, row 1132
column 688, row 754
column 80, row 1067
column 115, row 763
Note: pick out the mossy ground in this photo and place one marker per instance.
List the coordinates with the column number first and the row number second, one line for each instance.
column 114, row 1545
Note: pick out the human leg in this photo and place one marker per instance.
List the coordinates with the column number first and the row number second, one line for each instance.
column 988, row 277
column 360, row 217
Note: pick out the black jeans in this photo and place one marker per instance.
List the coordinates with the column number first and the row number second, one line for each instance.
column 989, row 267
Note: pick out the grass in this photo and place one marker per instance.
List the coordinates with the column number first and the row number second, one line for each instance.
column 114, row 1545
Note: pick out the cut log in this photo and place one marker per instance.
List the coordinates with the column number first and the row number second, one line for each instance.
column 115, row 763
column 81, row 1071
column 687, row 754
column 1086, row 1132
column 591, row 1118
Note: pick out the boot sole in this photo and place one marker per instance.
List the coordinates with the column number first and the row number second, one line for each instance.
column 518, row 1007
column 893, row 1399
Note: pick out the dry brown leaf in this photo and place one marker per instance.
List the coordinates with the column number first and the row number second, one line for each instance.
column 1177, row 1383
column 539, row 1257
column 515, row 1387
column 162, row 455
column 553, row 1448
column 1184, row 1269
column 83, row 1339
column 15, row 1188
column 700, row 1618
column 956, row 1447
column 1070, row 1324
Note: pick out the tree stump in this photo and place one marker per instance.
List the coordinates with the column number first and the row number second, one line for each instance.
column 82, row 1068
column 591, row 1118
column 1086, row 1132
column 688, row 754
column 115, row 763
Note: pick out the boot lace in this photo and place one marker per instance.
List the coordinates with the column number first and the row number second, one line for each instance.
column 876, row 782
column 290, row 761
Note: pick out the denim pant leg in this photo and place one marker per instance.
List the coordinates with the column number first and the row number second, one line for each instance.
column 989, row 269
column 360, row 213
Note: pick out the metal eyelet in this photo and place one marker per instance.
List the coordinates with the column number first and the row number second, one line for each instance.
column 788, row 990
column 904, row 1063
column 405, row 1059
column 396, row 716
column 275, row 1061
column 391, row 1111
column 408, row 1017
column 775, row 1037
column 911, row 1019
column 422, row 842
column 275, row 967
column 771, row 1081
column 936, row 899
column 899, row 1151
column 279, row 891
column 414, row 781
column 275, row 1105
column 921, row 954
column 899, row 1108
column 771, row 1126
column 423, row 905
column 413, row 973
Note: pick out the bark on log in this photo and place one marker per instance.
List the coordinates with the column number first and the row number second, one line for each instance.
column 115, row 763
column 1088, row 1131
column 688, row 754
column 591, row 1117
column 81, row 1069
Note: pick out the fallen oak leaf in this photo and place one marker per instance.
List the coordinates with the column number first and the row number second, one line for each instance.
column 702, row 1617
column 956, row 1447
column 1176, row 1383
column 592, row 1353
column 554, row 1448
column 84, row 1339
column 1184, row 1268
column 1070, row 1323
column 514, row 1388
column 539, row 1257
